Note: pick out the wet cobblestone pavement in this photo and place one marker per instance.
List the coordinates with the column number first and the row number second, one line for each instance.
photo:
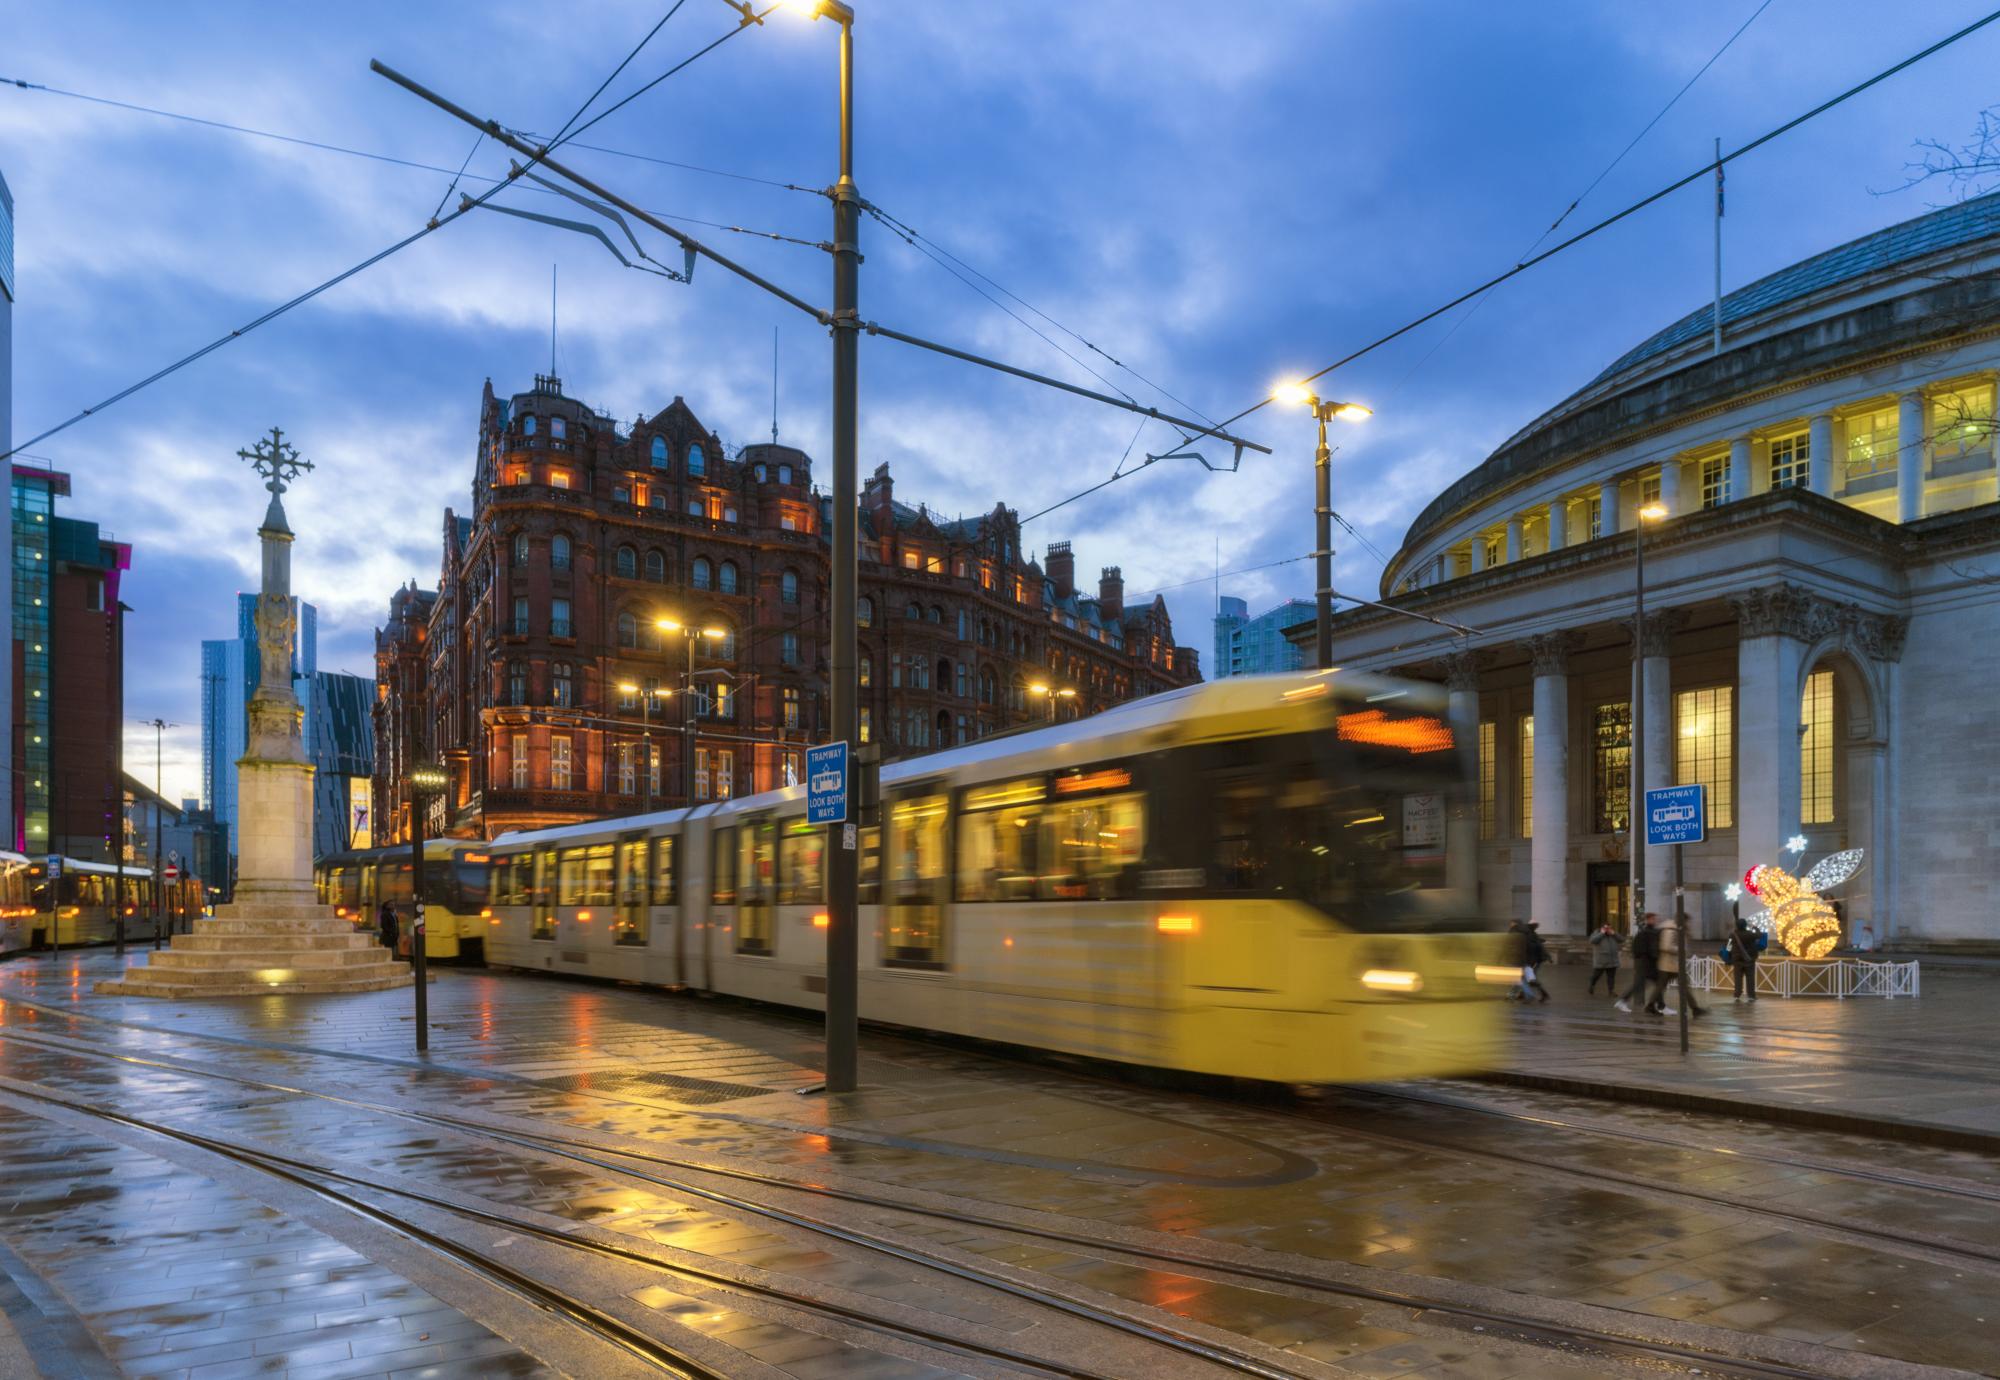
column 600, row 1181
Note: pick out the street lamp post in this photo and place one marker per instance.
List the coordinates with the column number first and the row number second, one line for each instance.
column 1323, row 411
column 688, row 635
column 159, row 727
column 1636, row 808
column 425, row 780
column 646, row 698
column 1052, row 694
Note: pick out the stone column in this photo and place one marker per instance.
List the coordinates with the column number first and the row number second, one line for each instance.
column 1548, row 850
column 1653, row 680
column 1443, row 566
column 1736, row 484
column 1772, row 625
column 1461, row 837
column 1911, row 450
column 1607, row 508
column 1558, row 524
column 1478, row 552
column 1513, row 539
column 1819, row 463
column 1670, row 487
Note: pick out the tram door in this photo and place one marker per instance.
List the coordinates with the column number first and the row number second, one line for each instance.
column 1610, row 887
column 542, row 897
column 916, row 883
column 630, row 926
column 757, row 886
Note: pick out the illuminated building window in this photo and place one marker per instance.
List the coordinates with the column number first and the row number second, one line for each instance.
column 558, row 479
column 1486, row 779
column 628, row 770
column 909, row 560
column 1527, row 771
column 1596, row 509
column 653, row 768
column 1715, row 482
column 1705, row 749
column 1492, row 551
column 1816, row 750
column 1610, row 767
column 1871, row 444
column 1961, row 426
column 1649, row 488
column 791, row 709
column 725, row 773
column 867, row 725
column 517, row 766
column 559, row 774
column 1791, row 460
column 701, row 773
column 562, row 686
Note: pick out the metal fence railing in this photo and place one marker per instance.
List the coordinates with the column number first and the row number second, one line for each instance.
column 1812, row 977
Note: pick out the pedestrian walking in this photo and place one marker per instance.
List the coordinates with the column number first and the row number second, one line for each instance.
column 1645, row 964
column 1529, row 953
column 1604, row 960
column 1742, row 953
column 1670, row 972
column 385, row 924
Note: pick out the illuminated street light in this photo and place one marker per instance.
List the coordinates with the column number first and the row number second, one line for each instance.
column 1647, row 514
column 1299, row 395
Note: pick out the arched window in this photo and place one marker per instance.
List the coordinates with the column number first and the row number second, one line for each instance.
column 913, row 611
column 694, row 507
column 727, row 582
column 649, row 634
column 784, row 474
column 520, row 548
column 558, row 428
column 723, row 648
column 864, row 612
column 628, row 630
column 627, row 563
column 964, row 686
column 559, row 552
column 658, row 500
column 964, row 626
column 701, row 573
column 729, row 515
column 788, row 587
column 936, row 614
column 562, row 685
column 517, row 682
column 659, row 452
column 697, row 460
column 656, row 567
column 528, row 425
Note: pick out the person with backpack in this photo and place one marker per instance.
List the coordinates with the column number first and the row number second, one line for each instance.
column 1604, row 960
column 1744, row 945
column 1645, row 964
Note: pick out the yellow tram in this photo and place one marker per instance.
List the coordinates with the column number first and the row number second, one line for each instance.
column 1243, row 878
column 86, row 901
column 456, row 917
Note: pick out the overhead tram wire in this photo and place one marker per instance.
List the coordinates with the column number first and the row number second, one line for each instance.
column 1525, row 264
column 465, row 207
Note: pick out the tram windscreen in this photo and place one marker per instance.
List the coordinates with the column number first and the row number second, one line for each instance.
column 1355, row 830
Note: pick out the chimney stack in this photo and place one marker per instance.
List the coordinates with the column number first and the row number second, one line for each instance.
column 1060, row 566
column 1111, row 593
column 877, row 495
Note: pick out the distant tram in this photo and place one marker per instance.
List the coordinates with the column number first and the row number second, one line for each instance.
column 1243, row 878
column 356, row 883
column 89, row 899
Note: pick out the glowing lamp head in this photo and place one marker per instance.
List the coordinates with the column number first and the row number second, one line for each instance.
column 1066, row 693
column 1296, row 394
column 626, row 687
column 1353, row 412
column 1652, row 512
column 1038, row 689
column 667, row 624
column 715, row 634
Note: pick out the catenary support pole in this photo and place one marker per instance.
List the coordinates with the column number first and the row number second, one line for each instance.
column 1323, row 543
column 417, row 938
column 1681, row 924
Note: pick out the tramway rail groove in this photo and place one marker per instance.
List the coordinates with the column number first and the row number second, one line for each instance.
column 1724, row 1357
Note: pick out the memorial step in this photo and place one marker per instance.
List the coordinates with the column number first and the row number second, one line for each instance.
column 139, row 986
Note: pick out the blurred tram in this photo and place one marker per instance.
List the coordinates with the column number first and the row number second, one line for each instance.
column 356, row 883
column 1243, row 878
column 89, row 898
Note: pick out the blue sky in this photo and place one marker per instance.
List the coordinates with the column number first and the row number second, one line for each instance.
column 1218, row 195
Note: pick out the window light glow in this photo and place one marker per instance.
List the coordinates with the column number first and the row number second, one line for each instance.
column 1495, row 972
column 1176, row 924
column 1392, row 980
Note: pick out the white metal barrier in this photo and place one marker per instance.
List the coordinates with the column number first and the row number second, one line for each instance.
column 1811, row 977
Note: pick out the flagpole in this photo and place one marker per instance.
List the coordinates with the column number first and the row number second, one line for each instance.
column 1718, row 246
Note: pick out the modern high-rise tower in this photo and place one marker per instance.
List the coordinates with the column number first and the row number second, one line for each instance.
column 7, row 830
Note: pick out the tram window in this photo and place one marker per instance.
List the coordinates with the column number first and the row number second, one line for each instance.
column 757, row 883
column 587, row 876
column 996, row 841
column 663, row 870
column 868, row 869
column 723, row 889
column 1088, row 846
column 1241, row 858
column 510, row 879
column 801, row 864
column 629, row 925
column 917, row 871
column 471, row 883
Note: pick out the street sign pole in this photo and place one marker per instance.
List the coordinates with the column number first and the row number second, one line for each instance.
column 828, row 801
column 1678, row 815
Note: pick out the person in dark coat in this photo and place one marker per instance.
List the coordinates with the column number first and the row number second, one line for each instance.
column 1645, row 963
column 1743, row 958
column 386, row 924
column 1604, row 961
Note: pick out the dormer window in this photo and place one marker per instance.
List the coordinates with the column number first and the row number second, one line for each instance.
column 784, row 474
column 558, row 428
column 659, row 452
column 697, row 460
column 528, row 425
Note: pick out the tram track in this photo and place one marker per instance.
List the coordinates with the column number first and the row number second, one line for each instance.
column 1488, row 1311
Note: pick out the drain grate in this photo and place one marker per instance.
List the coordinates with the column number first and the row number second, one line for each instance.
column 665, row 1087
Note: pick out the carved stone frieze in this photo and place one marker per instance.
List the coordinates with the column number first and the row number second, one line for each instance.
column 1788, row 610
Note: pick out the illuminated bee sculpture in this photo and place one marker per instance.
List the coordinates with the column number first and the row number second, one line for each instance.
column 1799, row 915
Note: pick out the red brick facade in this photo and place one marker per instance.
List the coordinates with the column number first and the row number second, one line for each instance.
column 584, row 534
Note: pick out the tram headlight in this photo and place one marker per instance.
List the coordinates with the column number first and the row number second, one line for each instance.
column 1498, row 973
column 1392, row 980
column 1176, row 924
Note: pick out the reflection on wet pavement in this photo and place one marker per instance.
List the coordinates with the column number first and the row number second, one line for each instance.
column 1419, row 1196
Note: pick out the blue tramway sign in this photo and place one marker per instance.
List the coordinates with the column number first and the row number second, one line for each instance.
column 826, row 783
